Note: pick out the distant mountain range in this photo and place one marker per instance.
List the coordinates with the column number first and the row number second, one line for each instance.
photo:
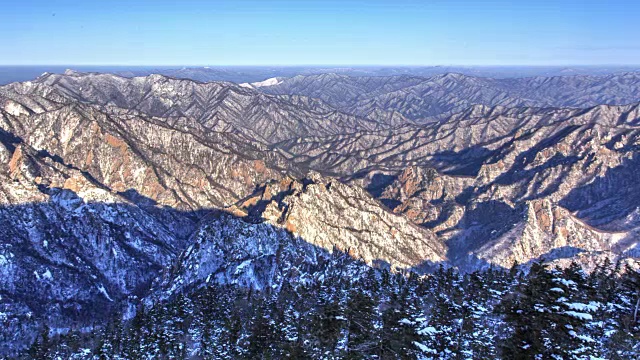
column 116, row 188
column 241, row 74
column 423, row 99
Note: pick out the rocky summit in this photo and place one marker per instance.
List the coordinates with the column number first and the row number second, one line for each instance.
column 117, row 192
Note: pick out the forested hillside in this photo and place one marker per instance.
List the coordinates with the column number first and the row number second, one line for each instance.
column 350, row 311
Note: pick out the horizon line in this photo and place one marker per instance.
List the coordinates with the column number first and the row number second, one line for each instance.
column 330, row 65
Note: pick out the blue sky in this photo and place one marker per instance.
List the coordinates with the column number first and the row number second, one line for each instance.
column 287, row 32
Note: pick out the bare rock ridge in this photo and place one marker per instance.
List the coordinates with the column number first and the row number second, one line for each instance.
column 217, row 106
column 330, row 214
column 472, row 178
column 291, row 228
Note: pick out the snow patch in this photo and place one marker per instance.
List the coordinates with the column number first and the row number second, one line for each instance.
column 592, row 306
column 15, row 109
column 104, row 292
column 241, row 267
column 265, row 83
column 579, row 315
column 424, row 348
column 565, row 282
column 429, row 330
column 47, row 275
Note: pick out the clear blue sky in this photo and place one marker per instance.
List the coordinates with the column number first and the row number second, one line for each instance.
column 287, row 32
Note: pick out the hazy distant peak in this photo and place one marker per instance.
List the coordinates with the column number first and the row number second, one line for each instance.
column 264, row 83
column 71, row 72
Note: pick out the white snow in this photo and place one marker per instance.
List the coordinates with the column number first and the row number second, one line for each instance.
column 565, row 282
column 586, row 338
column 579, row 315
column 265, row 83
column 242, row 266
column 406, row 322
column 495, row 292
column 592, row 306
column 47, row 275
column 429, row 330
column 104, row 292
column 15, row 109
column 424, row 348
column 581, row 337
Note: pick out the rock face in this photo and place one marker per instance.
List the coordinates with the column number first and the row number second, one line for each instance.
column 550, row 230
column 426, row 197
column 332, row 215
column 228, row 250
column 175, row 163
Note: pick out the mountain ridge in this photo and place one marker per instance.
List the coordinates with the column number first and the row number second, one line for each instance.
column 140, row 166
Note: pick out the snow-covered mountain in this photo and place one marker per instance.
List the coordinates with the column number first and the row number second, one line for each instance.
column 424, row 99
column 114, row 189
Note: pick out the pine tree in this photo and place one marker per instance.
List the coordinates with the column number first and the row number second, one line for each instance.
column 444, row 319
column 399, row 334
column 360, row 325
column 263, row 334
column 624, row 333
column 328, row 320
column 136, row 339
column 542, row 318
column 41, row 347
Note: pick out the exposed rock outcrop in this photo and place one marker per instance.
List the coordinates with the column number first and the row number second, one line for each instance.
column 330, row 214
